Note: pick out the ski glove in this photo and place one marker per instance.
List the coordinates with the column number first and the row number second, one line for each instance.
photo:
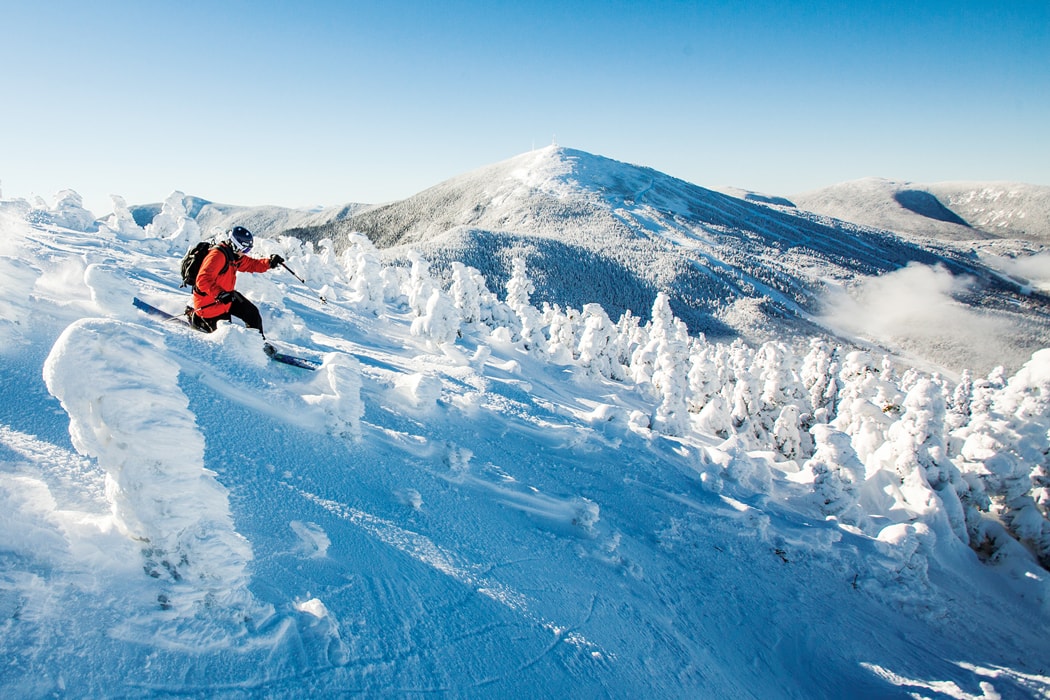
column 275, row 260
column 224, row 297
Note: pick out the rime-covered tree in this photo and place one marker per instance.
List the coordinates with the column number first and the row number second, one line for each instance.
column 918, row 449
column 836, row 472
column 785, row 433
column 122, row 222
column 819, row 375
column 670, row 379
column 174, row 224
column 715, row 418
column 561, row 333
column 440, row 320
column 597, row 350
column 467, row 289
column 960, row 401
column 363, row 267
column 866, row 405
column 704, row 377
column 629, row 335
column 1008, row 445
column 420, row 285
column 778, row 385
column 661, row 363
column 519, row 291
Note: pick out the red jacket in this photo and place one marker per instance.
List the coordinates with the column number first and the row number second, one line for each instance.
column 213, row 279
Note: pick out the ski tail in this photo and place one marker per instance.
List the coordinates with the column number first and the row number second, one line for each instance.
column 278, row 356
column 154, row 311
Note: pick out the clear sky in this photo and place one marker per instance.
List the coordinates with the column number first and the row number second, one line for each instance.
column 299, row 103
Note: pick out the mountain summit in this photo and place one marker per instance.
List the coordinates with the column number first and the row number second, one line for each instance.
column 594, row 229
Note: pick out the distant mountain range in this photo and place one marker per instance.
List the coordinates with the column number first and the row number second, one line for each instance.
column 958, row 211
column 595, row 229
column 592, row 229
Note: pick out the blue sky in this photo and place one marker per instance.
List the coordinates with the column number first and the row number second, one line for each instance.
column 302, row 103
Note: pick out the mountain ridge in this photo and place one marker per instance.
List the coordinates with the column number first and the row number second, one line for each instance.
column 730, row 266
column 968, row 211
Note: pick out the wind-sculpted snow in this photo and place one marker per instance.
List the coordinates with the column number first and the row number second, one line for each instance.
column 477, row 494
column 128, row 413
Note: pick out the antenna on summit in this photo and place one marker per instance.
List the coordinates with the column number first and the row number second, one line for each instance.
column 554, row 140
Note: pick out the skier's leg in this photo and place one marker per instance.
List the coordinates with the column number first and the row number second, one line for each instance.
column 248, row 312
column 207, row 325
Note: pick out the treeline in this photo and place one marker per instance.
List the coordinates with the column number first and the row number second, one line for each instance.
column 970, row 457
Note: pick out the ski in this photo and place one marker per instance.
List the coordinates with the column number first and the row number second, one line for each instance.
column 274, row 354
column 154, row 311
column 270, row 350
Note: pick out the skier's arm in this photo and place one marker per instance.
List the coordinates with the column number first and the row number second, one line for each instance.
column 246, row 264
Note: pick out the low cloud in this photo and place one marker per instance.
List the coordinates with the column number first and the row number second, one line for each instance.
column 1033, row 269
column 913, row 312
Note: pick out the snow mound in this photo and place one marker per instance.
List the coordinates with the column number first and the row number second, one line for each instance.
column 126, row 410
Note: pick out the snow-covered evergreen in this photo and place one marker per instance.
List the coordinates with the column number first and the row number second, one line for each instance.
column 482, row 497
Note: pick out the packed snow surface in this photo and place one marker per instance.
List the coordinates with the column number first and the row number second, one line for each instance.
column 477, row 497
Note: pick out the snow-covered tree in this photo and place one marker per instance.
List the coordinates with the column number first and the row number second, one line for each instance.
column 629, row 336
column 467, row 289
column 420, row 285
column 664, row 361
column 596, row 348
column 866, row 405
column 1007, row 445
column 69, row 212
column 121, row 222
column 836, row 472
column 704, row 377
column 440, row 320
column 715, row 418
column 561, row 325
column 915, row 449
column 778, row 385
column 819, row 375
column 174, row 224
column 363, row 267
column 959, row 404
column 519, row 290
column 785, row 433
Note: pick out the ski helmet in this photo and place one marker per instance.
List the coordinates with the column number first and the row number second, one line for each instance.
column 241, row 239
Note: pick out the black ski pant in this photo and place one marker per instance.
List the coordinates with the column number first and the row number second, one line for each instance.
column 240, row 307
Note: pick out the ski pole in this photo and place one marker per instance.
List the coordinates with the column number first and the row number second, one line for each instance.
column 319, row 296
column 293, row 273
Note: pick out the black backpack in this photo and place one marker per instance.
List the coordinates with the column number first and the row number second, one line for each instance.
column 191, row 263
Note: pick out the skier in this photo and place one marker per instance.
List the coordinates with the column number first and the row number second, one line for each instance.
column 214, row 296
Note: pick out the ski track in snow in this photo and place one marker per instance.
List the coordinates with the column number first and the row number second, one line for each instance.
column 424, row 550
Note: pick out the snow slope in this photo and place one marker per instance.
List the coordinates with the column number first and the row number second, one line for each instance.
column 476, row 499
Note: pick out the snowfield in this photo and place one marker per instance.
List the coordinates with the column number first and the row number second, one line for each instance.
column 475, row 496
